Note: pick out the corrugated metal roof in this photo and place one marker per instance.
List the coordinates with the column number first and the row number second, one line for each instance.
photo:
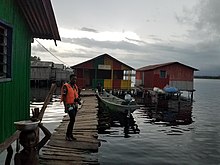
column 46, row 64
column 152, row 67
column 40, row 18
column 101, row 56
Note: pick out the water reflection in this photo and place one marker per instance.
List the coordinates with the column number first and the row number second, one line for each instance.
column 38, row 95
column 109, row 119
column 171, row 119
column 54, row 112
column 179, row 114
column 166, row 112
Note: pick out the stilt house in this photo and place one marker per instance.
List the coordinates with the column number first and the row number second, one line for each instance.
column 173, row 74
column 106, row 70
column 20, row 22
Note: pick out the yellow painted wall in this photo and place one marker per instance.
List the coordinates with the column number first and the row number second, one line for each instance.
column 108, row 84
column 125, row 84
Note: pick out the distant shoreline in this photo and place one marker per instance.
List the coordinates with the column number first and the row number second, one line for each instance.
column 207, row 77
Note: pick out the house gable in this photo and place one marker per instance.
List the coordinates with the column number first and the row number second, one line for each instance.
column 103, row 59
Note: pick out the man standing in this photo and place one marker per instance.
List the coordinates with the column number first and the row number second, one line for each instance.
column 70, row 98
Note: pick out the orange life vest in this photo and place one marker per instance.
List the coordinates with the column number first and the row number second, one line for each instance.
column 72, row 93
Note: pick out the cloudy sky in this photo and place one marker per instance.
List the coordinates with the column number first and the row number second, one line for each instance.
column 137, row 32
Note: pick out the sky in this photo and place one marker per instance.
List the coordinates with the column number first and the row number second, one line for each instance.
column 137, row 33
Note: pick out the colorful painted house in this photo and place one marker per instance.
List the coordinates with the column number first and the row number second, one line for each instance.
column 173, row 74
column 20, row 22
column 106, row 70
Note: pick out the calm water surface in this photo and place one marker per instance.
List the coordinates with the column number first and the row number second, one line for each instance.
column 157, row 143
column 196, row 143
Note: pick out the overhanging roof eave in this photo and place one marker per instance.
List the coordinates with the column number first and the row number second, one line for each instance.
column 40, row 18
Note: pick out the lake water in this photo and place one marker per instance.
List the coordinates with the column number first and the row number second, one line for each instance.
column 197, row 142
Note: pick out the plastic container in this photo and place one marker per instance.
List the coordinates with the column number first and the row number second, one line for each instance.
column 26, row 125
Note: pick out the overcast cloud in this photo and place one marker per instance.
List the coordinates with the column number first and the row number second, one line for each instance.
column 138, row 33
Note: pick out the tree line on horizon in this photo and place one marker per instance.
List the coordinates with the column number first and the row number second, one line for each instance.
column 207, row 77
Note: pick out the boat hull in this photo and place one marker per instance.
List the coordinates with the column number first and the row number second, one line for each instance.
column 116, row 104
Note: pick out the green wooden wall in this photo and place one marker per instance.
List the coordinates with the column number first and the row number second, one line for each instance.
column 97, row 62
column 14, row 94
column 96, row 81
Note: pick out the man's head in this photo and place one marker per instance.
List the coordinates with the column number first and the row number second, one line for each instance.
column 73, row 78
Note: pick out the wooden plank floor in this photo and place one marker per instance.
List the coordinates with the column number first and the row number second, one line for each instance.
column 84, row 150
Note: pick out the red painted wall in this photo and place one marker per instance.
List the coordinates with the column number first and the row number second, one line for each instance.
column 116, row 65
column 175, row 72
column 80, row 83
column 159, row 82
column 87, row 65
column 148, row 79
column 116, row 84
column 79, row 73
column 138, row 75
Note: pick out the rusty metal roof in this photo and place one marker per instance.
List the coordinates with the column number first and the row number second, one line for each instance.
column 40, row 18
column 152, row 67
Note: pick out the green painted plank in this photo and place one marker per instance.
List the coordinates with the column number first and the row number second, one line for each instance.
column 14, row 95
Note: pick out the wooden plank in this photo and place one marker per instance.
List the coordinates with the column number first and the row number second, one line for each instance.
column 81, row 127
column 82, row 122
column 9, row 141
column 77, row 134
column 75, row 144
column 62, row 149
column 61, row 152
column 68, row 156
column 79, row 118
column 58, row 162
column 81, row 151
column 80, row 138
column 58, row 157
column 63, row 155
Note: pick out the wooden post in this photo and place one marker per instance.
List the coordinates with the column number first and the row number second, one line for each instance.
column 191, row 96
column 179, row 101
column 47, row 100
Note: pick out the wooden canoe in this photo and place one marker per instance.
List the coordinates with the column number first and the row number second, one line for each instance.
column 116, row 104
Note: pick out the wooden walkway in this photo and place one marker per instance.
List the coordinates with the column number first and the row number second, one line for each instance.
column 84, row 150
